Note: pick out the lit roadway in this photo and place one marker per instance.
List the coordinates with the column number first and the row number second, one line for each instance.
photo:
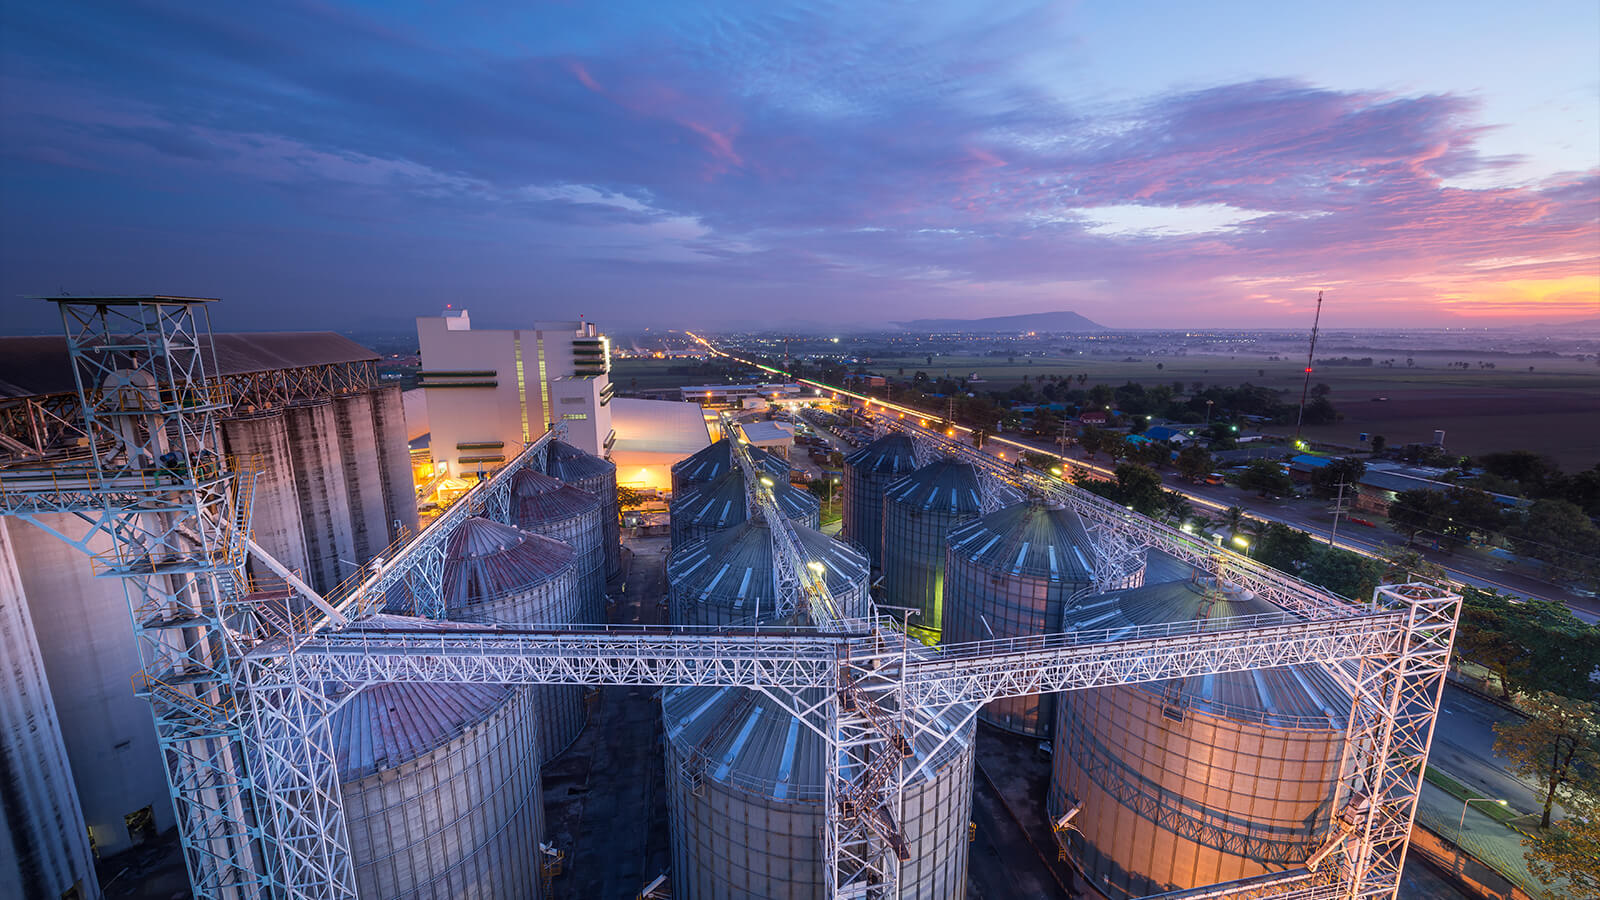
column 1367, row 542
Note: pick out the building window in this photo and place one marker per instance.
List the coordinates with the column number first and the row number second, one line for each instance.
column 544, row 386
column 522, row 389
column 574, row 417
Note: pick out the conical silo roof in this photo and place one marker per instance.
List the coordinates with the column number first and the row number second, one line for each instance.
column 537, row 497
column 1034, row 539
column 732, row 570
column 387, row 725
column 890, row 454
column 569, row 463
column 721, row 503
column 1291, row 696
column 485, row 560
column 714, row 461
column 946, row 485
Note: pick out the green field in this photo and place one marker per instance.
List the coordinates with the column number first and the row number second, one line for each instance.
column 1555, row 409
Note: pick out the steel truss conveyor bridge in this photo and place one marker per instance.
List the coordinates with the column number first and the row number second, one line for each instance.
column 242, row 683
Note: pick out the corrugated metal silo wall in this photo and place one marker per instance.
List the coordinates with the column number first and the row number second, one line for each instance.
column 863, row 508
column 463, row 821
column 394, row 458
column 730, row 843
column 46, row 845
column 914, row 557
column 598, row 477
column 81, row 625
column 584, row 533
column 559, row 601
column 685, row 530
column 1216, row 779
column 363, row 475
column 981, row 604
column 262, row 439
column 319, row 482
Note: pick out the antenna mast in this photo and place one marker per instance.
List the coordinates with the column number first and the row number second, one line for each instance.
column 1310, row 355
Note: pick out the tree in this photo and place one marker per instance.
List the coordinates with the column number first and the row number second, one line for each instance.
column 1325, row 481
column 1194, row 462
column 1284, row 548
column 1046, row 423
column 1557, row 745
column 1139, row 487
column 1345, row 573
column 1378, row 443
column 1267, row 478
column 629, row 498
column 1559, row 534
column 1093, row 440
column 1413, row 512
column 1566, row 857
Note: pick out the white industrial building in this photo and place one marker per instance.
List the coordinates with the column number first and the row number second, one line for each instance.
column 490, row 391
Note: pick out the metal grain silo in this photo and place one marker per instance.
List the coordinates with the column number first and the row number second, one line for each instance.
column 868, row 472
column 1013, row 573
column 598, row 476
column 1194, row 781
column 441, row 791
column 714, row 461
column 496, row 573
column 704, row 508
column 919, row 512
column 47, row 845
column 549, row 506
column 745, row 799
column 261, row 440
column 726, row 578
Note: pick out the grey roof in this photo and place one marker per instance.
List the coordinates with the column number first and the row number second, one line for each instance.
column 32, row 366
column 943, row 484
column 722, row 502
column 714, row 461
column 889, row 455
column 570, row 463
column 1033, row 539
column 536, row 497
column 386, row 725
column 485, row 560
column 732, row 568
column 1302, row 696
column 747, row 741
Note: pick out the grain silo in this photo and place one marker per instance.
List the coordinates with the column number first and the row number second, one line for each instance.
column 394, row 455
column 553, row 508
column 1013, row 573
column 919, row 512
column 1194, row 781
column 366, row 500
column 714, row 461
column 441, row 791
column 260, row 440
column 704, row 508
column 319, row 479
column 598, row 476
column 745, row 797
column 47, row 844
column 496, row 573
column 868, row 472
column 726, row 578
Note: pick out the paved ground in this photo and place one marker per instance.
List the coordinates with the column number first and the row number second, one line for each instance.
column 1463, row 746
column 605, row 797
column 1479, row 836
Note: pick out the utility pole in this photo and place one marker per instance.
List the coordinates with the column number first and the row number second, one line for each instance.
column 1338, row 507
column 1309, row 357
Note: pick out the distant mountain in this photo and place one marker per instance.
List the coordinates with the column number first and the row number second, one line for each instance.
column 1044, row 321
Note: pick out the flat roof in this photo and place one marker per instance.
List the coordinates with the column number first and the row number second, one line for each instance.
column 35, row 366
column 662, row 426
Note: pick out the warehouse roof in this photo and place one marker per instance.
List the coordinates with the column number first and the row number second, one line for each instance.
column 32, row 366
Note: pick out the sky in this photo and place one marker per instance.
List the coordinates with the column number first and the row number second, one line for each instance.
column 324, row 164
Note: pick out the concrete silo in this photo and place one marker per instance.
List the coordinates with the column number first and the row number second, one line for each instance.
column 261, row 440
column 441, row 791
column 1194, row 781
column 714, row 461
column 319, row 480
column 394, row 456
column 726, row 578
column 868, row 472
column 496, row 573
column 1014, row 573
column 919, row 512
column 47, row 844
column 704, row 508
column 366, row 502
column 598, row 476
column 549, row 506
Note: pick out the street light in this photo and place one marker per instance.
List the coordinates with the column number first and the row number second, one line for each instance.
column 1463, row 823
column 1242, row 543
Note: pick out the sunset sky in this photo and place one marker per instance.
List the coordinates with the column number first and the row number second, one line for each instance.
column 328, row 164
